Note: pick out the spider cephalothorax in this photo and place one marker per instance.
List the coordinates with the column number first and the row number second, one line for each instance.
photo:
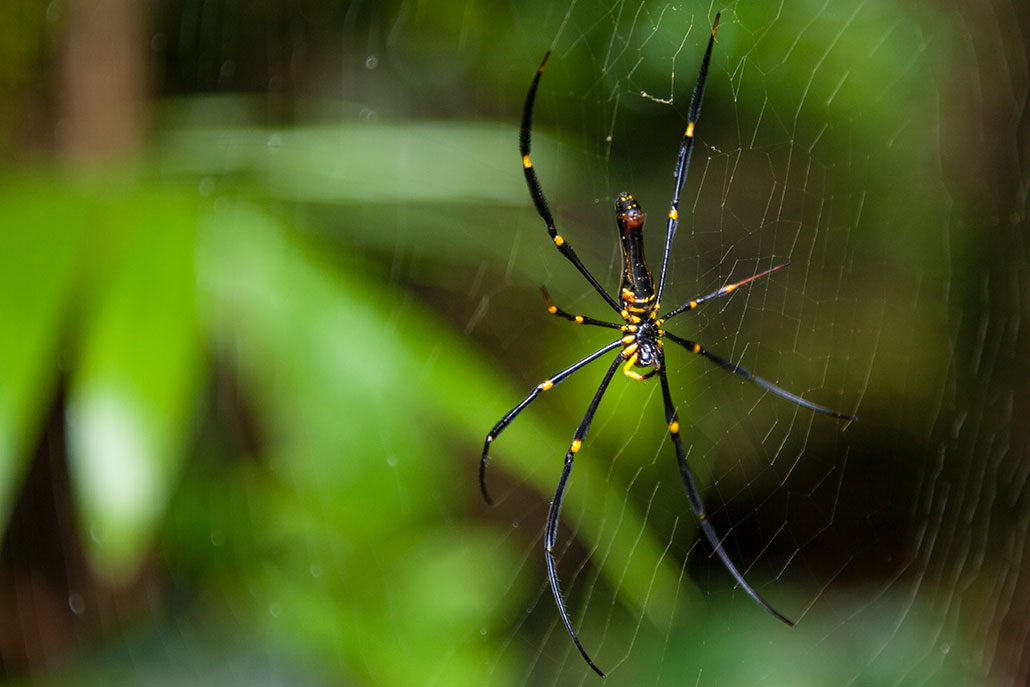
column 642, row 346
column 640, row 341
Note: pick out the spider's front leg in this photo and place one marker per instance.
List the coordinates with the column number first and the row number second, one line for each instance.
column 551, row 531
column 748, row 375
column 694, row 496
column 545, row 385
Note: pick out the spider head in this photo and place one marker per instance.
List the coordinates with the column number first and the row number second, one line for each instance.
column 628, row 213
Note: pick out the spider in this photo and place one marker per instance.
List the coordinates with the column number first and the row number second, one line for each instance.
column 640, row 345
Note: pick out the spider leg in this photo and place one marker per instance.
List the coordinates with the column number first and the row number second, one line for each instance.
column 578, row 319
column 724, row 291
column 540, row 201
column 511, row 415
column 694, row 496
column 683, row 159
column 746, row 374
column 551, row 531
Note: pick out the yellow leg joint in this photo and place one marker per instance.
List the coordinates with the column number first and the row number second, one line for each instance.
column 575, row 446
column 525, row 162
column 628, row 370
column 546, row 386
column 558, row 240
column 674, row 427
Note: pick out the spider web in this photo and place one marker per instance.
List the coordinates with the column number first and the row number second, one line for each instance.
column 367, row 263
column 881, row 150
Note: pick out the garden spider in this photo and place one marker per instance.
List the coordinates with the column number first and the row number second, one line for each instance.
column 640, row 344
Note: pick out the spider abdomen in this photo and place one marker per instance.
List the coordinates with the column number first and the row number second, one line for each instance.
column 636, row 289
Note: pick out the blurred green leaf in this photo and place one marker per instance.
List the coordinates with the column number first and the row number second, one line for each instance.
column 356, row 387
column 42, row 230
column 368, row 162
column 133, row 392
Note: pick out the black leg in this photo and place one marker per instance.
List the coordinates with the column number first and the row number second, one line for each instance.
column 578, row 319
column 683, row 159
column 538, row 193
column 695, row 498
column 551, row 531
column 542, row 386
column 746, row 374
column 724, row 291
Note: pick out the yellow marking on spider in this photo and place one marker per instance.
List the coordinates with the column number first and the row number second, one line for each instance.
column 689, row 133
column 558, row 240
column 546, row 385
column 631, row 350
column 628, row 295
column 525, row 162
column 579, row 319
column 673, row 214
column 575, row 446
column 702, row 516
column 625, row 314
column 674, row 427
column 629, row 338
column 552, row 309
column 696, row 349
column 628, row 370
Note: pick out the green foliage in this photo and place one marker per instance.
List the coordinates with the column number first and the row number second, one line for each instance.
column 362, row 405
column 268, row 343
column 37, row 276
